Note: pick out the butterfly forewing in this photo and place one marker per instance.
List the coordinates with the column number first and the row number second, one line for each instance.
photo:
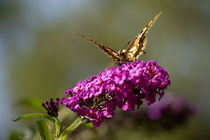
column 138, row 45
column 112, row 53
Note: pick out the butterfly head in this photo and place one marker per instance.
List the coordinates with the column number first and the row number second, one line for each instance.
column 121, row 54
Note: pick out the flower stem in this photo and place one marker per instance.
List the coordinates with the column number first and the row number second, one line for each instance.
column 69, row 129
column 57, row 127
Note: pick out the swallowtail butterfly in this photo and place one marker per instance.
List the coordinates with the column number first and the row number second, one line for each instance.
column 134, row 50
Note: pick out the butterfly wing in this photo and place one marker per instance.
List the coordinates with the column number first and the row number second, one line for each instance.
column 138, row 45
column 110, row 52
column 137, row 50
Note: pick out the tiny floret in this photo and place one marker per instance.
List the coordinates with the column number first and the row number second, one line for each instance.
column 52, row 107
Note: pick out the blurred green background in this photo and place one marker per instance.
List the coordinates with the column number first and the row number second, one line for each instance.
column 41, row 58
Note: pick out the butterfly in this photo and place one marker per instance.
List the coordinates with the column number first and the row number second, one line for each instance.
column 134, row 50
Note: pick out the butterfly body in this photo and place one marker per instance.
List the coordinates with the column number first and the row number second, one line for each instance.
column 134, row 50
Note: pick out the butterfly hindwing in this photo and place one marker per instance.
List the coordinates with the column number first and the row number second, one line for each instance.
column 142, row 45
column 138, row 45
column 110, row 52
column 135, row 52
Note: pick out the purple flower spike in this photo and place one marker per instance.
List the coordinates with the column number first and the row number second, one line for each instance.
column 172, row 107
column 52, row 107
column 122, row 87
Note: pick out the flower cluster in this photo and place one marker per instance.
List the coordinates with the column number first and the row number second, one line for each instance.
column 170, row 112
column 123, row 86
column 52, row 107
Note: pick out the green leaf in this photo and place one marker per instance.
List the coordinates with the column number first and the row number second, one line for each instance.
column 44, row 130
column 15, row 136
column 69, row 129
column 31, row 115
column 34, row 103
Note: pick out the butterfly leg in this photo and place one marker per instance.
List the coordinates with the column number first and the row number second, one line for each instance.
column 113, row 63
